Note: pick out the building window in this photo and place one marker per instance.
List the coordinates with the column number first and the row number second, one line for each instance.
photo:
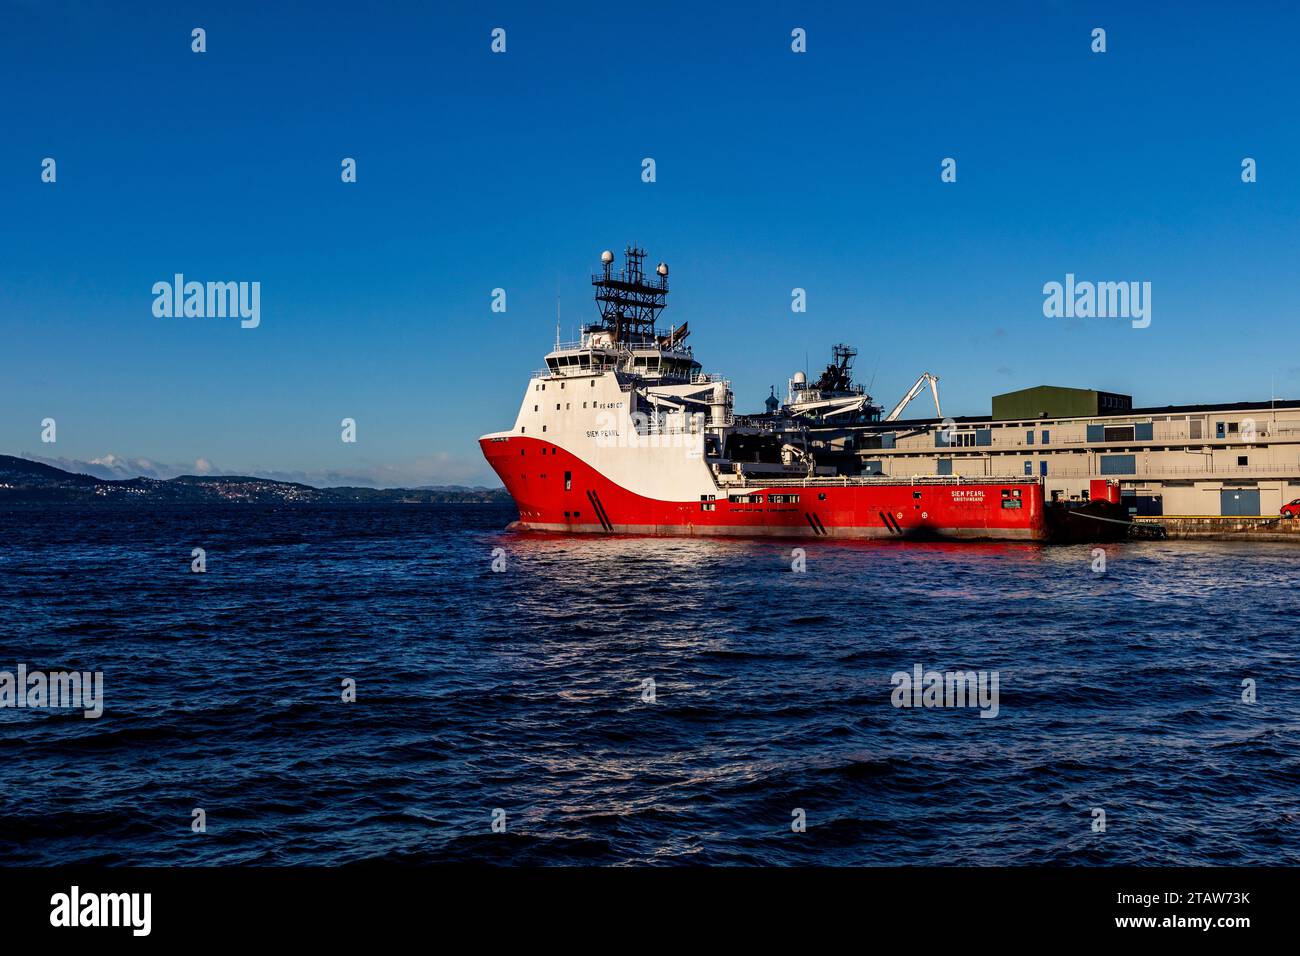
column 1118, row 433
column 1119, row 464
column 1042, row 468
column 783, row 499
column 746, row 499
column 1242, row 461
column 1047, row 437
column 1029, row 468
column 944, row 466
column 1029, row 437
column 568, row 481
column 708, row 502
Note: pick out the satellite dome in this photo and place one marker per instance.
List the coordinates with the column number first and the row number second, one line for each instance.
column 607, row 257
column 662, row 269
column 800, row 378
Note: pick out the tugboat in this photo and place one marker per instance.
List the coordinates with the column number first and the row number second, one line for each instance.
column 624, row 433
column 1098, row 517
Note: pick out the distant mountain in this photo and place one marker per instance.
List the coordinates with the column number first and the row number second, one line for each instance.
column 23, row 480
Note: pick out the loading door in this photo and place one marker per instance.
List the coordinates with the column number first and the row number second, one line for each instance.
column 1146, row 506
column 1239, row 501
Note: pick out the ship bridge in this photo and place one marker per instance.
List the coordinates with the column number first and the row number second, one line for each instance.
column 654, row 360
column 626, row 338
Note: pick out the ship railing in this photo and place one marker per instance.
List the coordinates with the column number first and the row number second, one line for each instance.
column 695, row 423
column 758, row 423
column 572, row 370
column 653, row 281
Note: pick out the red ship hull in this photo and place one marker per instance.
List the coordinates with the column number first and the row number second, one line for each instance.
column 585, row 501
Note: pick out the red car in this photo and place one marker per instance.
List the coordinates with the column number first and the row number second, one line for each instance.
column 1291, row 509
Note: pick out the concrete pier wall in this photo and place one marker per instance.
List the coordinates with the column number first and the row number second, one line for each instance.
column 1241, row 528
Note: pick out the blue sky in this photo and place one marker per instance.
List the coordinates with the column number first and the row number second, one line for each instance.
column 475, row 171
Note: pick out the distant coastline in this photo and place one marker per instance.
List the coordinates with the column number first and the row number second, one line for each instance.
column 22, row 480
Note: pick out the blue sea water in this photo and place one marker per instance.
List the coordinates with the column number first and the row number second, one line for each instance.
column 522, row 690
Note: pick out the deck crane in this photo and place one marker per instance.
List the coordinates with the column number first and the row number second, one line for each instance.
column 915, row 391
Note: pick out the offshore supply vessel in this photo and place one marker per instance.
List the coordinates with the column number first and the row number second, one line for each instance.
column 623, row 432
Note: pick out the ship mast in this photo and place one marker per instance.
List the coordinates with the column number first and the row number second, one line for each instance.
column 629, row 301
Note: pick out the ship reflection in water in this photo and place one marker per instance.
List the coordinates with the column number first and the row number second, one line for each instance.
column 636, row 700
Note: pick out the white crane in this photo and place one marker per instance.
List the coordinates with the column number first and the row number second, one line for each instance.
column 915, row 391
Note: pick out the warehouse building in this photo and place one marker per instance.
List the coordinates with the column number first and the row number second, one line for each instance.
column 1236, row 459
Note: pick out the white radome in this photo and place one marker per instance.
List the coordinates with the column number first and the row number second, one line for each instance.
column 800, row 378
column 662, row 269
column 607, row 257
